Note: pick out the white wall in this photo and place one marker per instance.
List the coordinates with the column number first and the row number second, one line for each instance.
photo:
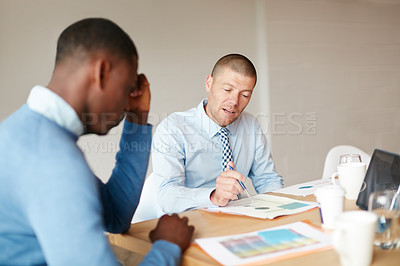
column 338, row 60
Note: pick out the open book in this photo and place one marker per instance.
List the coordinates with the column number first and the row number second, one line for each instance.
column 266, row 246
column 265, row 206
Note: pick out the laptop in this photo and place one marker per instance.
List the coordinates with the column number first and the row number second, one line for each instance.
column 383, row 173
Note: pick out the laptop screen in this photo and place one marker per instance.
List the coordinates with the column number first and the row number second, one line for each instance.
column 383, row 173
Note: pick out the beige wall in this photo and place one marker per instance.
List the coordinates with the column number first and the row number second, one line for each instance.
column 329, row 66
column 340, row 61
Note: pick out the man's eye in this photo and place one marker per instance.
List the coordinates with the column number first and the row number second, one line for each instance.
column 227, row 89
column 245, row 95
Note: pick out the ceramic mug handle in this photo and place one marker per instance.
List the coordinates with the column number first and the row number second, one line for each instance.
column 333, row 178
column 339, row 244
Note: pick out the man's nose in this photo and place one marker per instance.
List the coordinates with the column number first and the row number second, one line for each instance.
column 234, row 98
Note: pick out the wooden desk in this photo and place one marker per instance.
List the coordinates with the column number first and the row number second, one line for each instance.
column 209, row 224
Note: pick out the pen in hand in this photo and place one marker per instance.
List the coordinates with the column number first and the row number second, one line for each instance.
column 242, row 185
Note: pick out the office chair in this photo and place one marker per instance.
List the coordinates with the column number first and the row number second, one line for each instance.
column 332, row 158
column 148, row 207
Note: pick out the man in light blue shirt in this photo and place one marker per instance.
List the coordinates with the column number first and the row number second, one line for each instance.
column 53, row 209
column 187, row 150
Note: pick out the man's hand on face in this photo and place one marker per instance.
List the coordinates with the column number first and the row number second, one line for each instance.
column 173, row 229
column 227, row 187
column 139, row 102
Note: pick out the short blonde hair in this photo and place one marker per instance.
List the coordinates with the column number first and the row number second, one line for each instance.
column 238, row 63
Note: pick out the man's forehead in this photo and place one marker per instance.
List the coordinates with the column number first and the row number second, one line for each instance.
column 221, row 70
column 230, row 76
column 227, row 70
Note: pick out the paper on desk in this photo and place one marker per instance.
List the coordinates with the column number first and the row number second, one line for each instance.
column 266, row 246
column 304, row 189
column 265, row 206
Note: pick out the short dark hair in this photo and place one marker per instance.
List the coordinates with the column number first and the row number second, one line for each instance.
column 87, row 36
column 238, row 63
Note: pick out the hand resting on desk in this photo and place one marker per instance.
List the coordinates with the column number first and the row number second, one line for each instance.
column 173, row 229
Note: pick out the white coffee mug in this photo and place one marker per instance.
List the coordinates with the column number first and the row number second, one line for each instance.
column 331, row 202
column 351, row 178
column 353, row 237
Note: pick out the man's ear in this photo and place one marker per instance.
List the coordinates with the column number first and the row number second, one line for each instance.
column 209, row 82
column 101, row 73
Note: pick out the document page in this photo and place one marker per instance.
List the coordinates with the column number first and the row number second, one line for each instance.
column 304, row 189
column 265, row 206
column 266, row 246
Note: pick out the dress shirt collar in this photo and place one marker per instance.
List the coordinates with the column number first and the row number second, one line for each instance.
column 52, row 106
column 209, row 126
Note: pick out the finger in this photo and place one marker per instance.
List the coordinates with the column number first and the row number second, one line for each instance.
column 230, row 163
column 227, row 180
column 226, row 191
column 222, row 203
column 227, row 195
column 191, row 229
column 151, row 234
column 233, row 174
column 229, row 184
column 185, row 219
column 174, row 215
column 165, row 216
column 141, row 85
column 136, row 93
column 224, row 196
column 143, row 79
column 140, row 79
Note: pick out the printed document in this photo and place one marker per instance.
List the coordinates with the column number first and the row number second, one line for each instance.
column 304, row 189
column 266, row 246
column 265, row 206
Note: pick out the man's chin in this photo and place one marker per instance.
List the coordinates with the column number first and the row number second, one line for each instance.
column 227, row 122
column 102, row 131
column 97, row 132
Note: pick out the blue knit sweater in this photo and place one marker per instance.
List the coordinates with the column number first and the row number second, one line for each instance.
column 53, row 210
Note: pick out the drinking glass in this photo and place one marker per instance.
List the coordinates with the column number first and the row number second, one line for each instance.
column 350, row 158
column 386, row 204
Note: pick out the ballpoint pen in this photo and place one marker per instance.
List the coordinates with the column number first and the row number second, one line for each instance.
column 242, row 185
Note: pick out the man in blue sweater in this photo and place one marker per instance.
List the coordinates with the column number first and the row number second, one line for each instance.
column 53, row 210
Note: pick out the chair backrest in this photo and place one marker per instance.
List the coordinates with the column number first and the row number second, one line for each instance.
column 148, row 207
column 332, row 158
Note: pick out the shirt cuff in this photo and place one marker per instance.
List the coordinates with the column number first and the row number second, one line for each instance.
column 207, row 198
column 173, row 250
